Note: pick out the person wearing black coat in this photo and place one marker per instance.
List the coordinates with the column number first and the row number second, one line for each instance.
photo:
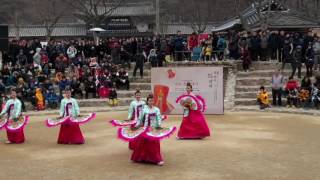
column 123, row 79
column 90, row 87
column 255, row 42
column 309, row 60
column 273, row 44
column 297, row 61
column 139, row 58
column 280, row 42
column 287, row 52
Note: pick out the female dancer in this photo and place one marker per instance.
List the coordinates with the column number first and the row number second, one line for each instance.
column 147, row 134
column 135, row 109
column 70, row 132
column 193, row 125
column 12, row 120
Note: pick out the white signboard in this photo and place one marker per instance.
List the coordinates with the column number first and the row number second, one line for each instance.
column 170, row 83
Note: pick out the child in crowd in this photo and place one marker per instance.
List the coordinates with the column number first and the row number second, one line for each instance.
column 40, row 101
column 246, row 59
column 52, row 98
column 292, row 92
column 263, row 98
column 303, row 97
column 153, row 58
column 315, row 98
column 103, row 92
column 113, row 101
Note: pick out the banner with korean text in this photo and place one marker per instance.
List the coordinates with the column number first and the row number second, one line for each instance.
column 170, row 83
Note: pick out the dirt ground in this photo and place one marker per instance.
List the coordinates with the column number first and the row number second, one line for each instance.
column 243, row 146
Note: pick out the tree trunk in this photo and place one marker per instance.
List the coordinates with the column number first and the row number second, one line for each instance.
column 16, row 24
column 49, row 33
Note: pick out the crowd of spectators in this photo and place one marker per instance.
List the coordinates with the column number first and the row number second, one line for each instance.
column 41, row 72
column 91, row 70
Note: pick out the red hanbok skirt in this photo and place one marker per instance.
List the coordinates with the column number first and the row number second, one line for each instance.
column 16, row 137
column 146, row 151
column 70, row 133
column 194, row 126
column 132, row 144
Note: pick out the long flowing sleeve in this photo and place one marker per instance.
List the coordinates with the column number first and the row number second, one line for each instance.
column 140, row 119
column 76, row 108
column 131, row 110
column 17, row 108
column 5, row 109
column 158, row 118
column 62, row 106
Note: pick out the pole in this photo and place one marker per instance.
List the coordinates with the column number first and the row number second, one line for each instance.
column 158, row 16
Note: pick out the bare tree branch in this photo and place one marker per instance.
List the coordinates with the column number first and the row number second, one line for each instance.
column 94, row 12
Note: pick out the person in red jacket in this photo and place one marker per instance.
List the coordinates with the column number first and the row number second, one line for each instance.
column 103, row 92
column 292, row 87
column 193, row 41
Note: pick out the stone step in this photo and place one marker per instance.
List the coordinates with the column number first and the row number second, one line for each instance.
column 279, row 110
column 251, row 88
column 245, row 101
column 124, row 100
column 246, row 94
column 139, row 80
column 102, row 102
column 130, row 94
column 265, row 73
column 146, row 72
column 141, row 86
column 82, row 110
column 253, row 81
column 266, row 65
column 253, row 101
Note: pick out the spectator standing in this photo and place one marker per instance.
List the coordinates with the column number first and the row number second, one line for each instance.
column 221, row 46
column 297, row 61
column 264, row 51
column 273, row 43
column 316, row 49
column 280, row 46
column 178, row 46
column 246, row 58
column 193, row 41
column 287, row 52
column 309, row 60
column 255, row 42
column 72, row 53
column 277, row 85
column 139, row 58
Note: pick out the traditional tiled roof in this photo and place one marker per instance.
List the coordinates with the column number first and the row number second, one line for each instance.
column 79, row 30
column 130, row 9
column 63, row 30
column 278, row 17
column 184, row 28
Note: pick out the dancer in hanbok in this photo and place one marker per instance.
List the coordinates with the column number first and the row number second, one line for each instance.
column 135, row 110
column 147, row 134
column 70, row 132
column 12, row 120
column 194, row 125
